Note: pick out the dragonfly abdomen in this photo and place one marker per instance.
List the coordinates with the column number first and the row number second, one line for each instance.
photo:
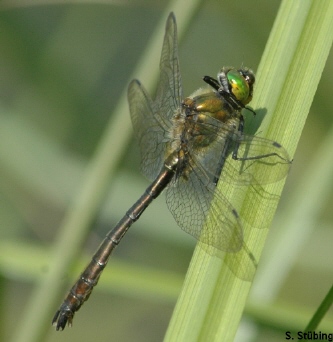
column 82, row 289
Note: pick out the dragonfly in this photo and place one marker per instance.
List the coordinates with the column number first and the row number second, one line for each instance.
column 191, row 148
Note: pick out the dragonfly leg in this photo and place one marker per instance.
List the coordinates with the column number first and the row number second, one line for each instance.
column 259, row 156
column 225, row 151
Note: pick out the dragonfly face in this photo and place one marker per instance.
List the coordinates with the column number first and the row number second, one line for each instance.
column 234, row 85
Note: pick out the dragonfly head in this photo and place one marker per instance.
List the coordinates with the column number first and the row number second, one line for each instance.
column 238, row 83
column 235, row 86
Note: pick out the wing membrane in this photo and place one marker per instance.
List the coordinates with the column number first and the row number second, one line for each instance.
column 201, row 210
column 147, row 129
column 260, row 161
column 152, row 119
column 169, row 90
column 190, row 200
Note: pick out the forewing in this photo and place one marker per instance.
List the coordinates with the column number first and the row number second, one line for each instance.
column 268, row 163
column 152, row 119
column 169, row 90
column 149, row 132
column 259, row 161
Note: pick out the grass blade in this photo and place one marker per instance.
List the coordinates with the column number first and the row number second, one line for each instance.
column 212, row 300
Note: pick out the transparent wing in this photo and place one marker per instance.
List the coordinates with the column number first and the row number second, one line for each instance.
column 196, row 203
column 152, row 119
column 149, row 133
column 169, row 91
column 190, row 199
column 265, row 160
column 202, row 211
column 260, row 161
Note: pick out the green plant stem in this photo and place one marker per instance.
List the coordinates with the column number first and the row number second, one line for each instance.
column 321, row 311
column 212, row 300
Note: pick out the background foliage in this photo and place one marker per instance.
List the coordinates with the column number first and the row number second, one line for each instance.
column 63, row 68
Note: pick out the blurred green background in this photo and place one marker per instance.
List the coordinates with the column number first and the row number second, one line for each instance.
column 62, row 70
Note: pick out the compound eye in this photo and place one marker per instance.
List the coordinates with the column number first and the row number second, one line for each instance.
column 239, row 86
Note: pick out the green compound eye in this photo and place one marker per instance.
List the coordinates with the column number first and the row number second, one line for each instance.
column 239, row 86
